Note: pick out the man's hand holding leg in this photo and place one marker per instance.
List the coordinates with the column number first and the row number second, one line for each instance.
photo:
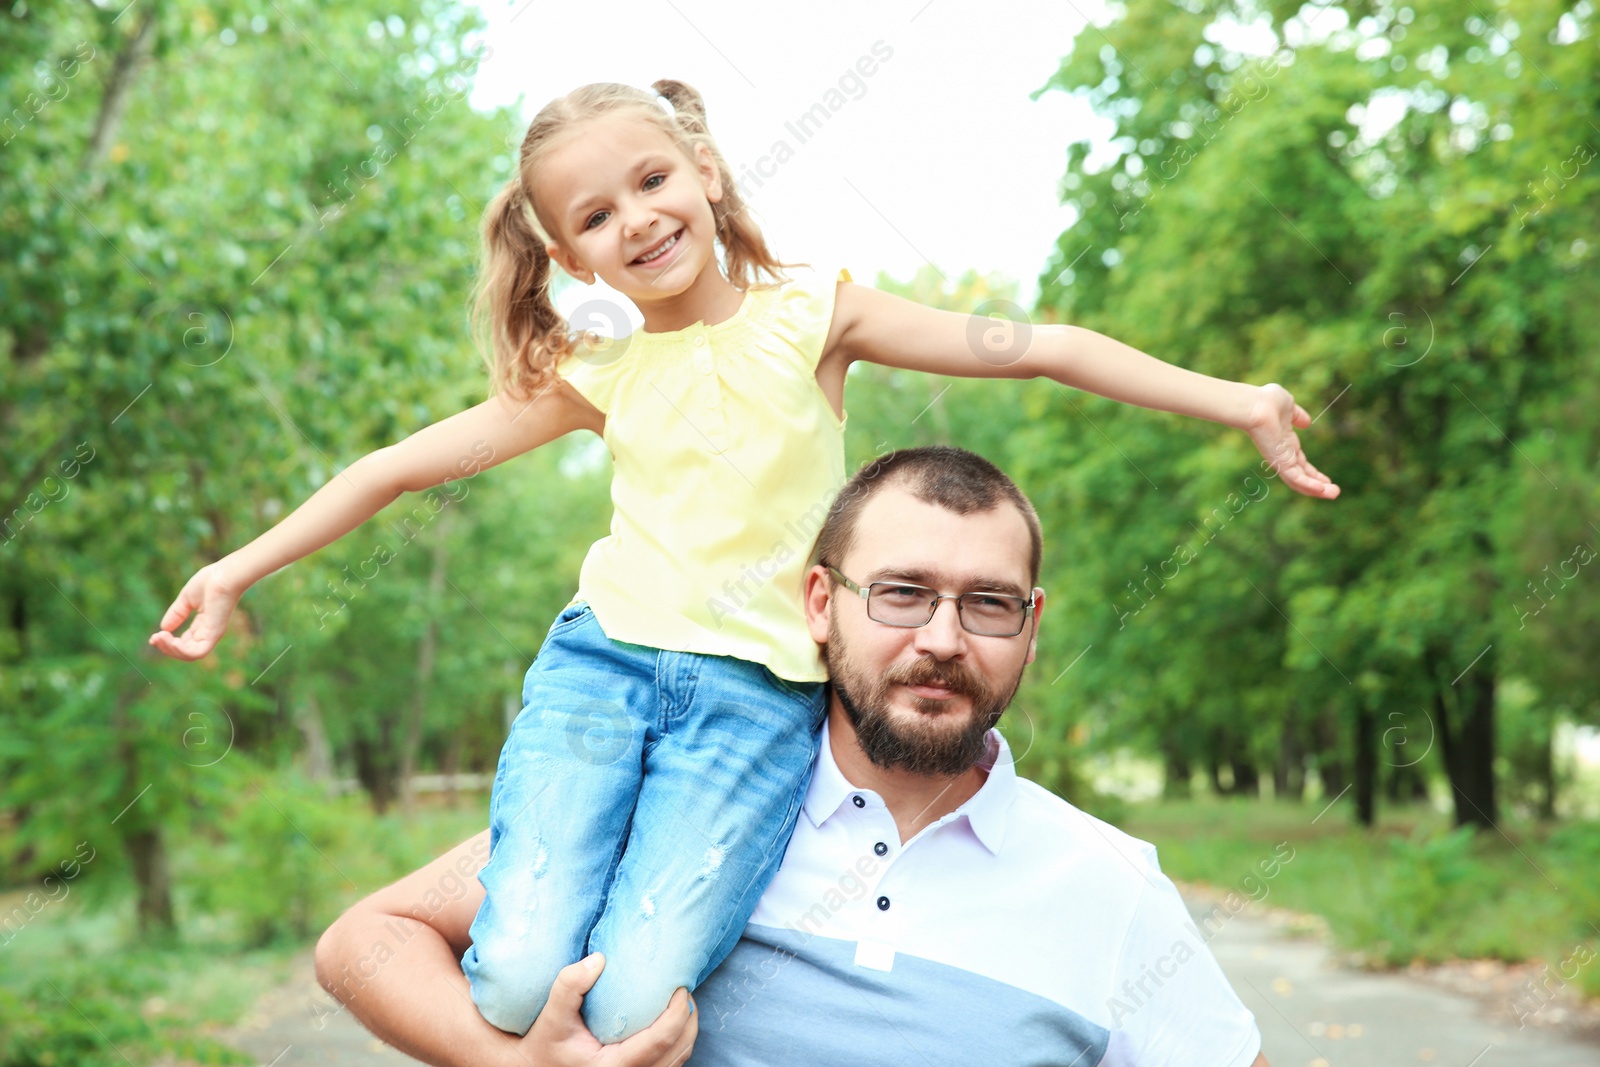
column 394, row 959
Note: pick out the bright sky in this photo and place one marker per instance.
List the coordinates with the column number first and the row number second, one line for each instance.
column 938, row 156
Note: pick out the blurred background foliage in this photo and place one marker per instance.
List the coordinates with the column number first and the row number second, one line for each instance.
column 236, row 241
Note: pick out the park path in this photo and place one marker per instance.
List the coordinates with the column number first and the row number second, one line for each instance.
column 300, row 1025
column 1312, row 1013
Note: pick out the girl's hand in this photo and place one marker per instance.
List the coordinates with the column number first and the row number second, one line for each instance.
column 211, row 592
column 559, row 1037
column 1271, row 424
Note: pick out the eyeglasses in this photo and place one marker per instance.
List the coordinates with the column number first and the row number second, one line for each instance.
column 907, row 606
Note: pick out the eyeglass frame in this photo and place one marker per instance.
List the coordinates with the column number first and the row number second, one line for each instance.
column 933, row 606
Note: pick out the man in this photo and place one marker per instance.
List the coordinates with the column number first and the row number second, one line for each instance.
column 932, row 907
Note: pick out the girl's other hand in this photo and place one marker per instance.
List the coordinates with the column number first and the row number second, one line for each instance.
column 214, row 595
column 1271, row 425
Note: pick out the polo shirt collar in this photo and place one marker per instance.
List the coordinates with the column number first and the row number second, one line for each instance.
column 985, row 811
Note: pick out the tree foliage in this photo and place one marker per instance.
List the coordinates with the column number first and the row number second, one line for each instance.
column 236, row 246
column 1384, row 207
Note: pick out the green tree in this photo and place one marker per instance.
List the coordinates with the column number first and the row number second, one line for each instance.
column 1424, row 286
column 235, row 243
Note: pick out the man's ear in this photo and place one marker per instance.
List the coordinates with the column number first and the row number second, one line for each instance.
column 568, row 262
column 708, row 172
column 1033, row 638
column 818, row 591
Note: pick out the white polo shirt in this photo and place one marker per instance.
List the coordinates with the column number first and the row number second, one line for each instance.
column 1016, row 930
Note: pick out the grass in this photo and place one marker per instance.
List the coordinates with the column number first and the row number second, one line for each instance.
column 78, row 988
column 1411, row 888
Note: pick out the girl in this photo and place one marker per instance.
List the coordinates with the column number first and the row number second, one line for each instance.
column 647, row 790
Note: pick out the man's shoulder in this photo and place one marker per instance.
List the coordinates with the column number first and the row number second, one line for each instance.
column 1042, row 819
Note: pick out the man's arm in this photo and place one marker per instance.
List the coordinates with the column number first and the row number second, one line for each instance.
column 394, row 958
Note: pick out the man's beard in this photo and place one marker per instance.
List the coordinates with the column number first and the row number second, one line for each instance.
column 929, row 747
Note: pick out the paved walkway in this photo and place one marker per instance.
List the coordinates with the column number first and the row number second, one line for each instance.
column 1312, row 1013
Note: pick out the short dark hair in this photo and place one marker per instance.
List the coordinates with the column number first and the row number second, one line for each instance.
column 951, row 478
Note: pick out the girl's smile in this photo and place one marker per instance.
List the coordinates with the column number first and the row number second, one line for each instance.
column 660, row 252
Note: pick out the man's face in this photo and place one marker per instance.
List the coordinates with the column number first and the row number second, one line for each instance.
column 922, row 699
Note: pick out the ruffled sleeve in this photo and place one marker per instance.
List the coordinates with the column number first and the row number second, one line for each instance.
column 594, row 371
column 804, row 310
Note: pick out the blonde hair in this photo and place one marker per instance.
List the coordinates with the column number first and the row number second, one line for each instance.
column 526, row 337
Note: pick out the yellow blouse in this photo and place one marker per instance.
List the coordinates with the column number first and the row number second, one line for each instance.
column 726, row 457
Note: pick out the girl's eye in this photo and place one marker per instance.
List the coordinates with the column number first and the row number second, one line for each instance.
column 590, row 224
column 652, row 178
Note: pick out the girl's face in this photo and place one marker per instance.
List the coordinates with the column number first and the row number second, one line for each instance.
column 627, row 206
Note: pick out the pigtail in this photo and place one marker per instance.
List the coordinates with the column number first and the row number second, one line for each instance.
column 519, row 332
column 744, row 248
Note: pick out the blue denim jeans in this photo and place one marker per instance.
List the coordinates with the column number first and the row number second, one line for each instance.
column 643, row 801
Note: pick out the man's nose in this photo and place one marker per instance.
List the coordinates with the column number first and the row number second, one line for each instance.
column 943, row 636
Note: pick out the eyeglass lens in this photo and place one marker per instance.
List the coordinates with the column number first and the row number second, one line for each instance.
column 989, row 614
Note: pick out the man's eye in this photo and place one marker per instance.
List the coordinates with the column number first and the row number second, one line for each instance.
column 997, row 602
column 902, row 592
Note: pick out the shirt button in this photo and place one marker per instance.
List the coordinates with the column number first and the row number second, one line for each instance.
column 703, row 366
column 857, row 801
column 883, row 903
column 881, row 849
column 699, row 342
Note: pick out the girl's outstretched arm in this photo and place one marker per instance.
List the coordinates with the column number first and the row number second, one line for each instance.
column 890, row 330
column 457, row 447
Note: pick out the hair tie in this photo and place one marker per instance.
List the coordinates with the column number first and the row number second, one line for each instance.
column 666, row 105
